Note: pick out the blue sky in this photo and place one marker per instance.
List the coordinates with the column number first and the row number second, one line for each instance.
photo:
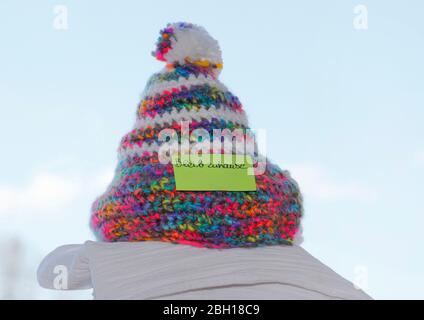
column 342, row 108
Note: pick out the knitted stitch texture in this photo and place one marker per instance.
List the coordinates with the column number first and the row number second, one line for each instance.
column 142, row 202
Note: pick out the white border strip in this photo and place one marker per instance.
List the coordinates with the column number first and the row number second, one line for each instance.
column 152, row 147
column 197, row 115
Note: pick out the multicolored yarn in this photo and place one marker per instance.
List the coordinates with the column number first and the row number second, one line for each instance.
column 164, row 44
column 142, row 204
column 198, row 96
column 178, row 71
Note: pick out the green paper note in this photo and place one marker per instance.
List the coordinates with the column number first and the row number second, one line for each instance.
column 214, row 172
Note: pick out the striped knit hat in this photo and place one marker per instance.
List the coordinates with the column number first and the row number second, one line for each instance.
column 142, row 202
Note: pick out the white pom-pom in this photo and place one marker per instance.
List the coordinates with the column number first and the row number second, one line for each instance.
column 182, row 42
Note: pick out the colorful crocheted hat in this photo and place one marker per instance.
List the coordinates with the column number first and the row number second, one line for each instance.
column 142, row 202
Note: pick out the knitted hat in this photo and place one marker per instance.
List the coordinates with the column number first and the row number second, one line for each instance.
column 142, row 202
